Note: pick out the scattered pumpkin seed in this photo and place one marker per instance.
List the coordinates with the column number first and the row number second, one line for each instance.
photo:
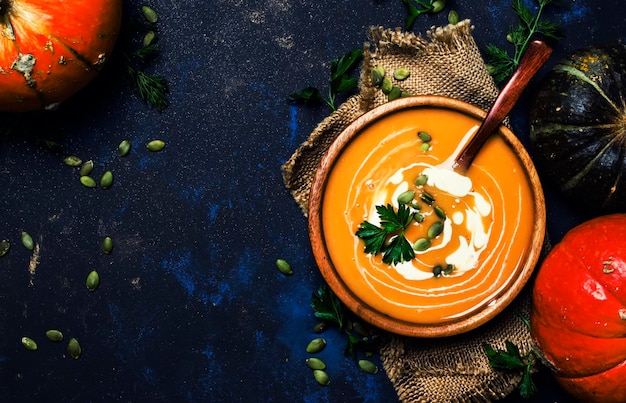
column 321, row 326
column 377, row 75
column 29, row 343
column 405, row 94
column 440, row 212
column 73, row 348
column 321, row 377
column 422, row 244
column 415, row 206
column 368, row 366
column 438, row 6
column 316, row 345
column 5, row 245
column 54, row 335
column 448, row 269
column 93, row 280
column 386, row 85
column 425, row 147
column 406, row 197
column 284, row 267
column 86, row 168
column 149, row 14
column 315, row 363
column 453, row 17
column 437, row 270
column 72, row 161
column 156, row 145
column 27, row 241
column 425, row 137
column 401, row 74
column 421, row 180
column 435, row 229
column 106, row 181
column 124, row 148
column 427, row 198
column 418, row 217
column 107, row 245
column 88, row 181
column 149, row 38
column 394, row 94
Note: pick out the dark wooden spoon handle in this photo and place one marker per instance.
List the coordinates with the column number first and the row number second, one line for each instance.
column 534, row 57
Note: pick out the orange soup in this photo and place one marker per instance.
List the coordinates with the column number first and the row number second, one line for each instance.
column 486, row 233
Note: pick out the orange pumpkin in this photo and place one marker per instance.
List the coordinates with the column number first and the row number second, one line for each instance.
column 578, row 319
column 50, row 49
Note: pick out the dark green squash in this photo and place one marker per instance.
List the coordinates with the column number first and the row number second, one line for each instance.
column 578, row 130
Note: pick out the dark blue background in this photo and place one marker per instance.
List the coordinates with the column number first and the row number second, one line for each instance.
column 190, row 306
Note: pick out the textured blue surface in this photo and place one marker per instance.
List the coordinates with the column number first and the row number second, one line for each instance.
column 191, row 307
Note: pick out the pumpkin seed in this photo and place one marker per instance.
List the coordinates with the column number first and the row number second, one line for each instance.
column 315, row 363
column 72, row 161
column 107, row 245
column 421, row 180
column 394, row 94
column 155, row 145
column 425, row 147
column 73, row 348
column 415, row 206
column 386, row 85
column 149, row 14
column 437, row 270
column 368, row 366
column 284, row 267
column 425, row 137
column 320, row 327
column 453, row 17
column 148, row 38
column 438, row 6
column 5, row 245
column 448, row 269
column 422, row 244
column 401, row 74
column 377, row 75
column 93, row 280
column 106, row 181
column 427, row 198
column 406, row 197
column 418, row 217
column 440, row 212
column 321, row 377
column 316, row 345
column 124, row 148
column 405, row 94
column 86, row 168
column 29, row 343
column 88, row 181
column 435, row 229
column 54, row 335
column 27, row 241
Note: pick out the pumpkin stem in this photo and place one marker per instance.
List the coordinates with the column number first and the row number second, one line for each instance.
column 6, row 29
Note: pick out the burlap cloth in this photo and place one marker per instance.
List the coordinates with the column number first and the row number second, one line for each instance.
column 447, row 62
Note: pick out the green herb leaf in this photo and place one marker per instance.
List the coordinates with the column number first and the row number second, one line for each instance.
column 340, row 81
column 414, row 9
column 510, row 359
column 501, row 64
column 328, row 307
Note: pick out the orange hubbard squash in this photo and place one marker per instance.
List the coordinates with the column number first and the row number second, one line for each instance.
column 50, row 49
column 578, row 320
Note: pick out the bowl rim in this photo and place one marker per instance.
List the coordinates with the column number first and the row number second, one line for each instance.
column 333, row 279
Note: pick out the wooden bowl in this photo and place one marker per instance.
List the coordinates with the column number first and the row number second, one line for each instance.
column 411, row 300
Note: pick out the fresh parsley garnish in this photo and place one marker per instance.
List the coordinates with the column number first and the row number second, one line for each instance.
column 511, row 359
column 340, row 81
column 415, row 8
column 328, row 307
column 501, row 64
column 389, row 238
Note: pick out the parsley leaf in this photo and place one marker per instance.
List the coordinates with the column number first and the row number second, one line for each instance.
column 340, row 81
column 511, row 359
column 501, row 64
column 389, row 238
column 415, row 8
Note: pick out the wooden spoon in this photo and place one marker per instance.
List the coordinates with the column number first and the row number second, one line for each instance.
column 534, row 57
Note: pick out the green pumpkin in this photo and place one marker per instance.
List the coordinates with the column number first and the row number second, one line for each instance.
column 578, row 128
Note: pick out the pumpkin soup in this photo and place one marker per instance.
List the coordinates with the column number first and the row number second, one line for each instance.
column 468, row 241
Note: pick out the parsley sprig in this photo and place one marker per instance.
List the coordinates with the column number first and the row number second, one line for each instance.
column 501, row 64
column 341, row 81
column 389, row 238
column 415, row 8
column 327, row 307
column 511, row 359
